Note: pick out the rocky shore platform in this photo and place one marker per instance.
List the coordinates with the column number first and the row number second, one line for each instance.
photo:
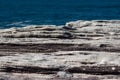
column 78, row 50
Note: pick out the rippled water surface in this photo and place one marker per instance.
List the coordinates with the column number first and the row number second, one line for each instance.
column 17, row 13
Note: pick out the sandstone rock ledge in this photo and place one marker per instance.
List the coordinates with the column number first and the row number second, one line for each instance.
column 80, row 50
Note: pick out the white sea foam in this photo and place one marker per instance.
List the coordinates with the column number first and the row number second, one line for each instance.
column 20, row 23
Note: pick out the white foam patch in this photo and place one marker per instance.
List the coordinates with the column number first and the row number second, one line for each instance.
column 20, row 23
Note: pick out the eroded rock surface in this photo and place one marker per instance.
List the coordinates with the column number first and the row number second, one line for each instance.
column 80, row 50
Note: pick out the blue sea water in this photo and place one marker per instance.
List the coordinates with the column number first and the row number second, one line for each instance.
column 18, row 13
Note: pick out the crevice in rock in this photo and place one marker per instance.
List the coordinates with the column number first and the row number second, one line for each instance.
column 96, row 70
column 29, row 69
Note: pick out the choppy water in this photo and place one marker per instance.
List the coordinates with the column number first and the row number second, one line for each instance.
column 17, row 13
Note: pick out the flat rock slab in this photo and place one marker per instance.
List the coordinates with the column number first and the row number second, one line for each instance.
column 80, row 50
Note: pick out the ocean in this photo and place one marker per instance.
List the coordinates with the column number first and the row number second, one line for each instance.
column 20, row 13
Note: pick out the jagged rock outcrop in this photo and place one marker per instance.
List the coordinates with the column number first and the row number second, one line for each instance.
column 80, row 50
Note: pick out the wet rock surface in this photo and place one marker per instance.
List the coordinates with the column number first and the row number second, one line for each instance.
column 80, row 50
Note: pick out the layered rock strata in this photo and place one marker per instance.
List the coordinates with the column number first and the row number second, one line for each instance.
column 79, row 50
